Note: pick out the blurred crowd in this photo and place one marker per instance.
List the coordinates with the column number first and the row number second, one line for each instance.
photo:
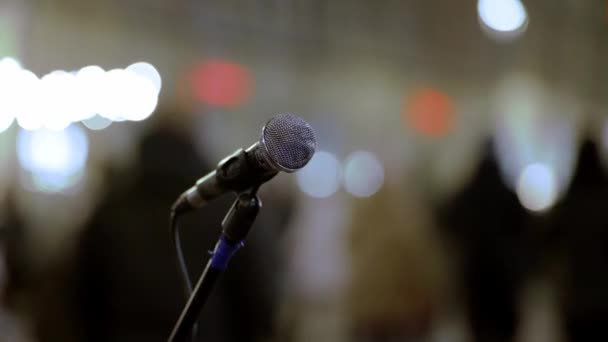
column 406, row 266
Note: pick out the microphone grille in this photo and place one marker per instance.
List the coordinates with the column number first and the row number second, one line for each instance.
column 288, row 141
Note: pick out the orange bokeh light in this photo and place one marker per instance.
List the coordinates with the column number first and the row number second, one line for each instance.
column 222, row 83
column 430, row 112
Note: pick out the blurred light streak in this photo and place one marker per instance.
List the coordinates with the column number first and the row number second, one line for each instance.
column 222, row 83
column 55, row 159
column 533, row 126
column 60, row 98
column 518, row 104
column 537, row 188
column 502, row 18
column 430, row 112
column 363, row 174
column 321, row 177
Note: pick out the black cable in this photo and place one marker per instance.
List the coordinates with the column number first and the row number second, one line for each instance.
column 181, row 263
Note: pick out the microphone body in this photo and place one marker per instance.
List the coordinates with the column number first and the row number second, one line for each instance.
column 287, row 143
column 238, row 172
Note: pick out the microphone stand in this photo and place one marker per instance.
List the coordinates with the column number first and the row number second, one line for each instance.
column 236, row 226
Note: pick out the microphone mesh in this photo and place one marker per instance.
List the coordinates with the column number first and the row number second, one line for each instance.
column 289, row 142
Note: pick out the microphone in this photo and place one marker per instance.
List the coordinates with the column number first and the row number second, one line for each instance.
column 287, row 143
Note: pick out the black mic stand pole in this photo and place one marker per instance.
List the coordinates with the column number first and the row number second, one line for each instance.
column 236, row 226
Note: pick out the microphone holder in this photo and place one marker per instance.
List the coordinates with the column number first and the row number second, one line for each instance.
column 235, row 227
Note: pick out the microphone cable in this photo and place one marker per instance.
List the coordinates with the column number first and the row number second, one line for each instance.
column 181, row 262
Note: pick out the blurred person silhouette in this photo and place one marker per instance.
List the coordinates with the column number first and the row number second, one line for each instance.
column 580, row 230
column 126, row 280
column 396, row 278
column 486, row 227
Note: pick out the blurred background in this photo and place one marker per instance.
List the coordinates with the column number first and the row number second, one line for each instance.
column 458, row 190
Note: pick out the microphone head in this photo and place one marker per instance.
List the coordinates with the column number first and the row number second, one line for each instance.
column 288, row 142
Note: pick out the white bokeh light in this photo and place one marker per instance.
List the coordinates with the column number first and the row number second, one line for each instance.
column 97, row 123
column 533, row 124
column 503, row 16
column 321, row 177
column 55, row 159
column 141, row 99
column 127, row 96
column 537, row 187
column 88, row 97
column 363, row 174
column 60, row 98
column 10, row 71
column 57, row 109
column 148, row 72
column 113, row 88
column 9, row 63
column 28, row 89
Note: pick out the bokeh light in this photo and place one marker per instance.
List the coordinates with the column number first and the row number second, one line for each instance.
column 97, row 123
column 89, row 97
column 24, row 102
column 9, row 79
column 56, row 108
column 430, row 112
column 60, row 98
column 9, row 63
column 54, row 159
column 142, row 99
column 363, row 174
column 534, row 125
column 114, row 93
column 321, row 177
column 148, row 72
column 221, row 83
column 127, row 96
column 537, row 187
column 502, row 18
